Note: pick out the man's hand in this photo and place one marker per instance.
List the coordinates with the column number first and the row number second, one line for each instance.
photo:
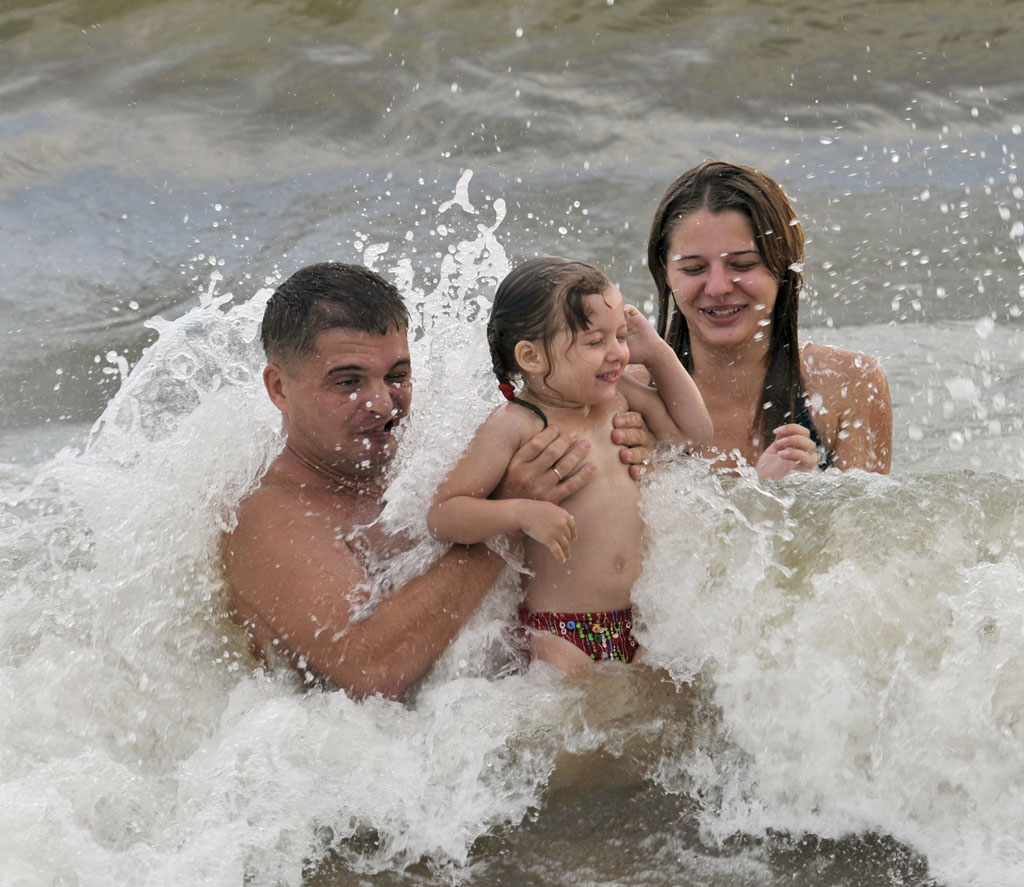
column 637, row 442
column 550, row 466
column 792, row 450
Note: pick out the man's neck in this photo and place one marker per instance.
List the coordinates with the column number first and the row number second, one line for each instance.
column 357, row 484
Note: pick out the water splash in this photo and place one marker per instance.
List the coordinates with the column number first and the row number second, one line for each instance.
column 829, row 655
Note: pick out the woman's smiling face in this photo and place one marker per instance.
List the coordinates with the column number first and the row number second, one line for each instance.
column 719, row 279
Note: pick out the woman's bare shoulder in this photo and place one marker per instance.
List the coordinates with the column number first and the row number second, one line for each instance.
column 826, row 365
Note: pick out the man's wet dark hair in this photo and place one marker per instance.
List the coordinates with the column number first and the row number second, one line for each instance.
column 325, row 296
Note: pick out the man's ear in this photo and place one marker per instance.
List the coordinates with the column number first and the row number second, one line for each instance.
column 276, row 383
column 531, row 357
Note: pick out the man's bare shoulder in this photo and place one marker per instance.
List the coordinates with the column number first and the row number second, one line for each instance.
column 273, row 505
column 283, row 518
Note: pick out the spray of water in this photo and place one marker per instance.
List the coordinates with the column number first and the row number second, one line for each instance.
column 831, row 655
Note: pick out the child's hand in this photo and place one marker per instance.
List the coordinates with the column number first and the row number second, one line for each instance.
column 640, row 336
column 550, row 525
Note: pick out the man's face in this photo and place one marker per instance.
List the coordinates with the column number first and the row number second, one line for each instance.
column 341, row 405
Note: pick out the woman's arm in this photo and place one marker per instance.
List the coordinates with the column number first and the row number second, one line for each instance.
column 853, row 387
column 865, row 424
column 674, row 409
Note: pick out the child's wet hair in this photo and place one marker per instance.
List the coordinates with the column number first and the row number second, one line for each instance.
column 526, row 307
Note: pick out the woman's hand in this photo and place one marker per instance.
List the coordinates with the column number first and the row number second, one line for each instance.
column 792, row 450
column 636, row 440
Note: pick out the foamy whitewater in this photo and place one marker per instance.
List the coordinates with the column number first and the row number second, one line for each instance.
column 835, row 690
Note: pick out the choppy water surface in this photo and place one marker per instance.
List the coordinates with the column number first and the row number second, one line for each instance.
column 835, row 694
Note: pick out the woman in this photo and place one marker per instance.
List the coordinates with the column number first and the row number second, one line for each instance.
column 725, row 251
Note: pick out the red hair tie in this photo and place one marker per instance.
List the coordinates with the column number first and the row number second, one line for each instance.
column 508, row 390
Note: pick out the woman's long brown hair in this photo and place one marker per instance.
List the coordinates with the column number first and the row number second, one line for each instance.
column 717, row 187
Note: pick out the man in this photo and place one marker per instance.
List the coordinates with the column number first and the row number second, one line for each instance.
column 339, row 372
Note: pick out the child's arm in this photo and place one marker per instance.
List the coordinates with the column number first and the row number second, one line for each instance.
column 461, row 511
column 673, row 409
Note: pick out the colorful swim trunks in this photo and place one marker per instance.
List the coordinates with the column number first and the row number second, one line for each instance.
column 607, row 635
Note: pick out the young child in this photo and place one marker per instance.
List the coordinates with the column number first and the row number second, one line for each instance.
column 563, row 328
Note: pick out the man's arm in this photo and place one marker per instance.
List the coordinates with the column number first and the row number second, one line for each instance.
column 550, row 466
column 294, row 587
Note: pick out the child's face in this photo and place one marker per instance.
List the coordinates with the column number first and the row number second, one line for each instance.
column 586, row 367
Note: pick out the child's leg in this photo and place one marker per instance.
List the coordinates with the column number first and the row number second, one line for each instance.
column 571, row 640
column 556, row 650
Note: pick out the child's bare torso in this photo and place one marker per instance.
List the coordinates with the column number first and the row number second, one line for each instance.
column 605, row 558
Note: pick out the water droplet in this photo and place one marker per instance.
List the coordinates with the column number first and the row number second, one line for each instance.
column 984, row 327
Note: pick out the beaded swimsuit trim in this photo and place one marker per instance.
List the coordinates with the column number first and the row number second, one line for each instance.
column 601, row 635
